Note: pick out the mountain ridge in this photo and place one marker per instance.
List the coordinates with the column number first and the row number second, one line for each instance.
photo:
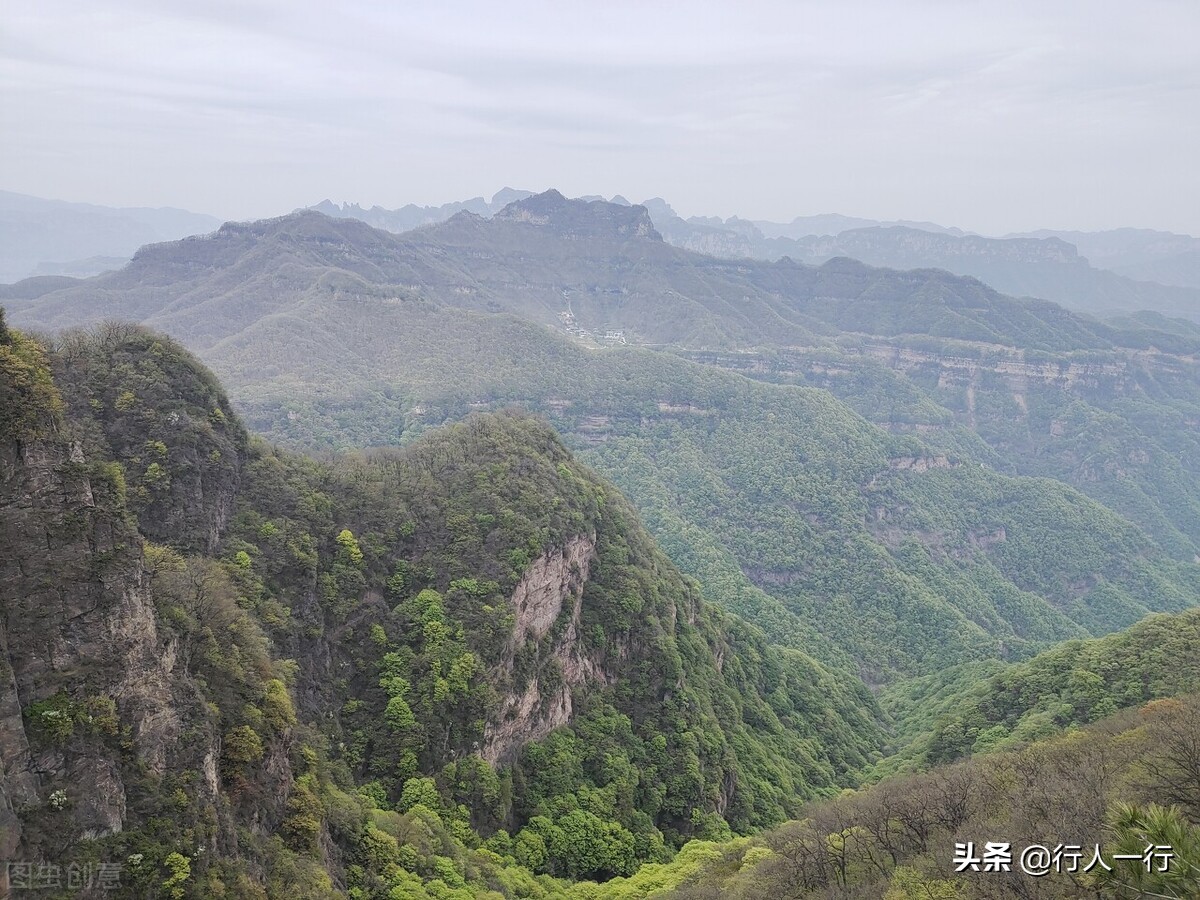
column 475, row 624
column 780, row 302
column 316, row 322
column 1130, row 269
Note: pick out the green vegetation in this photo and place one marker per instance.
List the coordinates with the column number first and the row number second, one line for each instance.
column 351, row 667
column 141, row 401
column 762, row 492
column 391, row 338
column 772, row 496
column 461, row 667
column 907, row 561
column 421, row 549
column 1111, row 423
column 1072, row 684
column 29, row 402
column 1118, row 785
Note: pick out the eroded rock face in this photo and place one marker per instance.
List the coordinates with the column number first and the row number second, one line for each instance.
column 920, row 463
column 550, row 580
column 78, row 620
column 553, row 584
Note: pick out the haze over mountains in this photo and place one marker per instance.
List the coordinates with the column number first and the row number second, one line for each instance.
column 1102, row 273
column 783, row 529
column 1123, row 272
column 329, row 331
column 51, row 237
column 1116, row 272
column 586, row 268
column 786, row 486
column 1140, row 253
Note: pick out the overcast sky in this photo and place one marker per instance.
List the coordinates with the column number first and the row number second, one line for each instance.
column 995, row 117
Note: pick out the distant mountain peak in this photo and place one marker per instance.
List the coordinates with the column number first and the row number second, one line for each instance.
column 300, row 221
column 592, row 219
column 507, row 195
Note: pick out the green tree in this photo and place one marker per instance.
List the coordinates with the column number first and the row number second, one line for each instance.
column 180, row 869
column 349, row 546
column 1135, row 829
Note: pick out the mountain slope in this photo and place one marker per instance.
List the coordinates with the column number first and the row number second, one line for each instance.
column 1073, row 683
column 1101, row 274
column 1119, row 426
column 333, row 332
column 475, row 626
column 1140, row 253
column 1045, row 267
column 855, row 513
column 1108, row 790
column 598, row 265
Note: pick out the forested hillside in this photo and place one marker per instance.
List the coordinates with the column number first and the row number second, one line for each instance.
column 890, row 519
column 335, row 334
column 353, row 673
column 860, row 522
column 1120, row 427
column 1074, row 683
column 1108, row 790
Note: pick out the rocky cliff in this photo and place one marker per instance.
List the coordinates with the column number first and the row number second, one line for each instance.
column 106, row 706
column 551, row 590
column 83, row 658
column 581, row 219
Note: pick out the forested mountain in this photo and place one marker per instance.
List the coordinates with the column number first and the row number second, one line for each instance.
column 1074, row 683
column 1119, row 426
column 462, row 669
column 546, row 258
column 1076, row 268
column 891, row 551
column 1047, row 267
column 1140, row 253
column 1093, row 800
column 892, row 518
column 234, row 661
column 1101, row 273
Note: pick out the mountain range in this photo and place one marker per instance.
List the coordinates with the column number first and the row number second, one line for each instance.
column 328, row 330
column 1102, row 273
column 666, row 547
column 1140, row 253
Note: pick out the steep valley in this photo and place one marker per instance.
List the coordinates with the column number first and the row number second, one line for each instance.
column 891, row 519
column 269, row 679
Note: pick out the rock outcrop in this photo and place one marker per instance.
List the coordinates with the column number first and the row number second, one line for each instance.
column 550, row 593
column 182, row 482
column 79, row 647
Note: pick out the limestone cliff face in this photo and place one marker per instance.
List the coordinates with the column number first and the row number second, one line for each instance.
column 550, row 593
column 111, row 705
column 78, row 644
